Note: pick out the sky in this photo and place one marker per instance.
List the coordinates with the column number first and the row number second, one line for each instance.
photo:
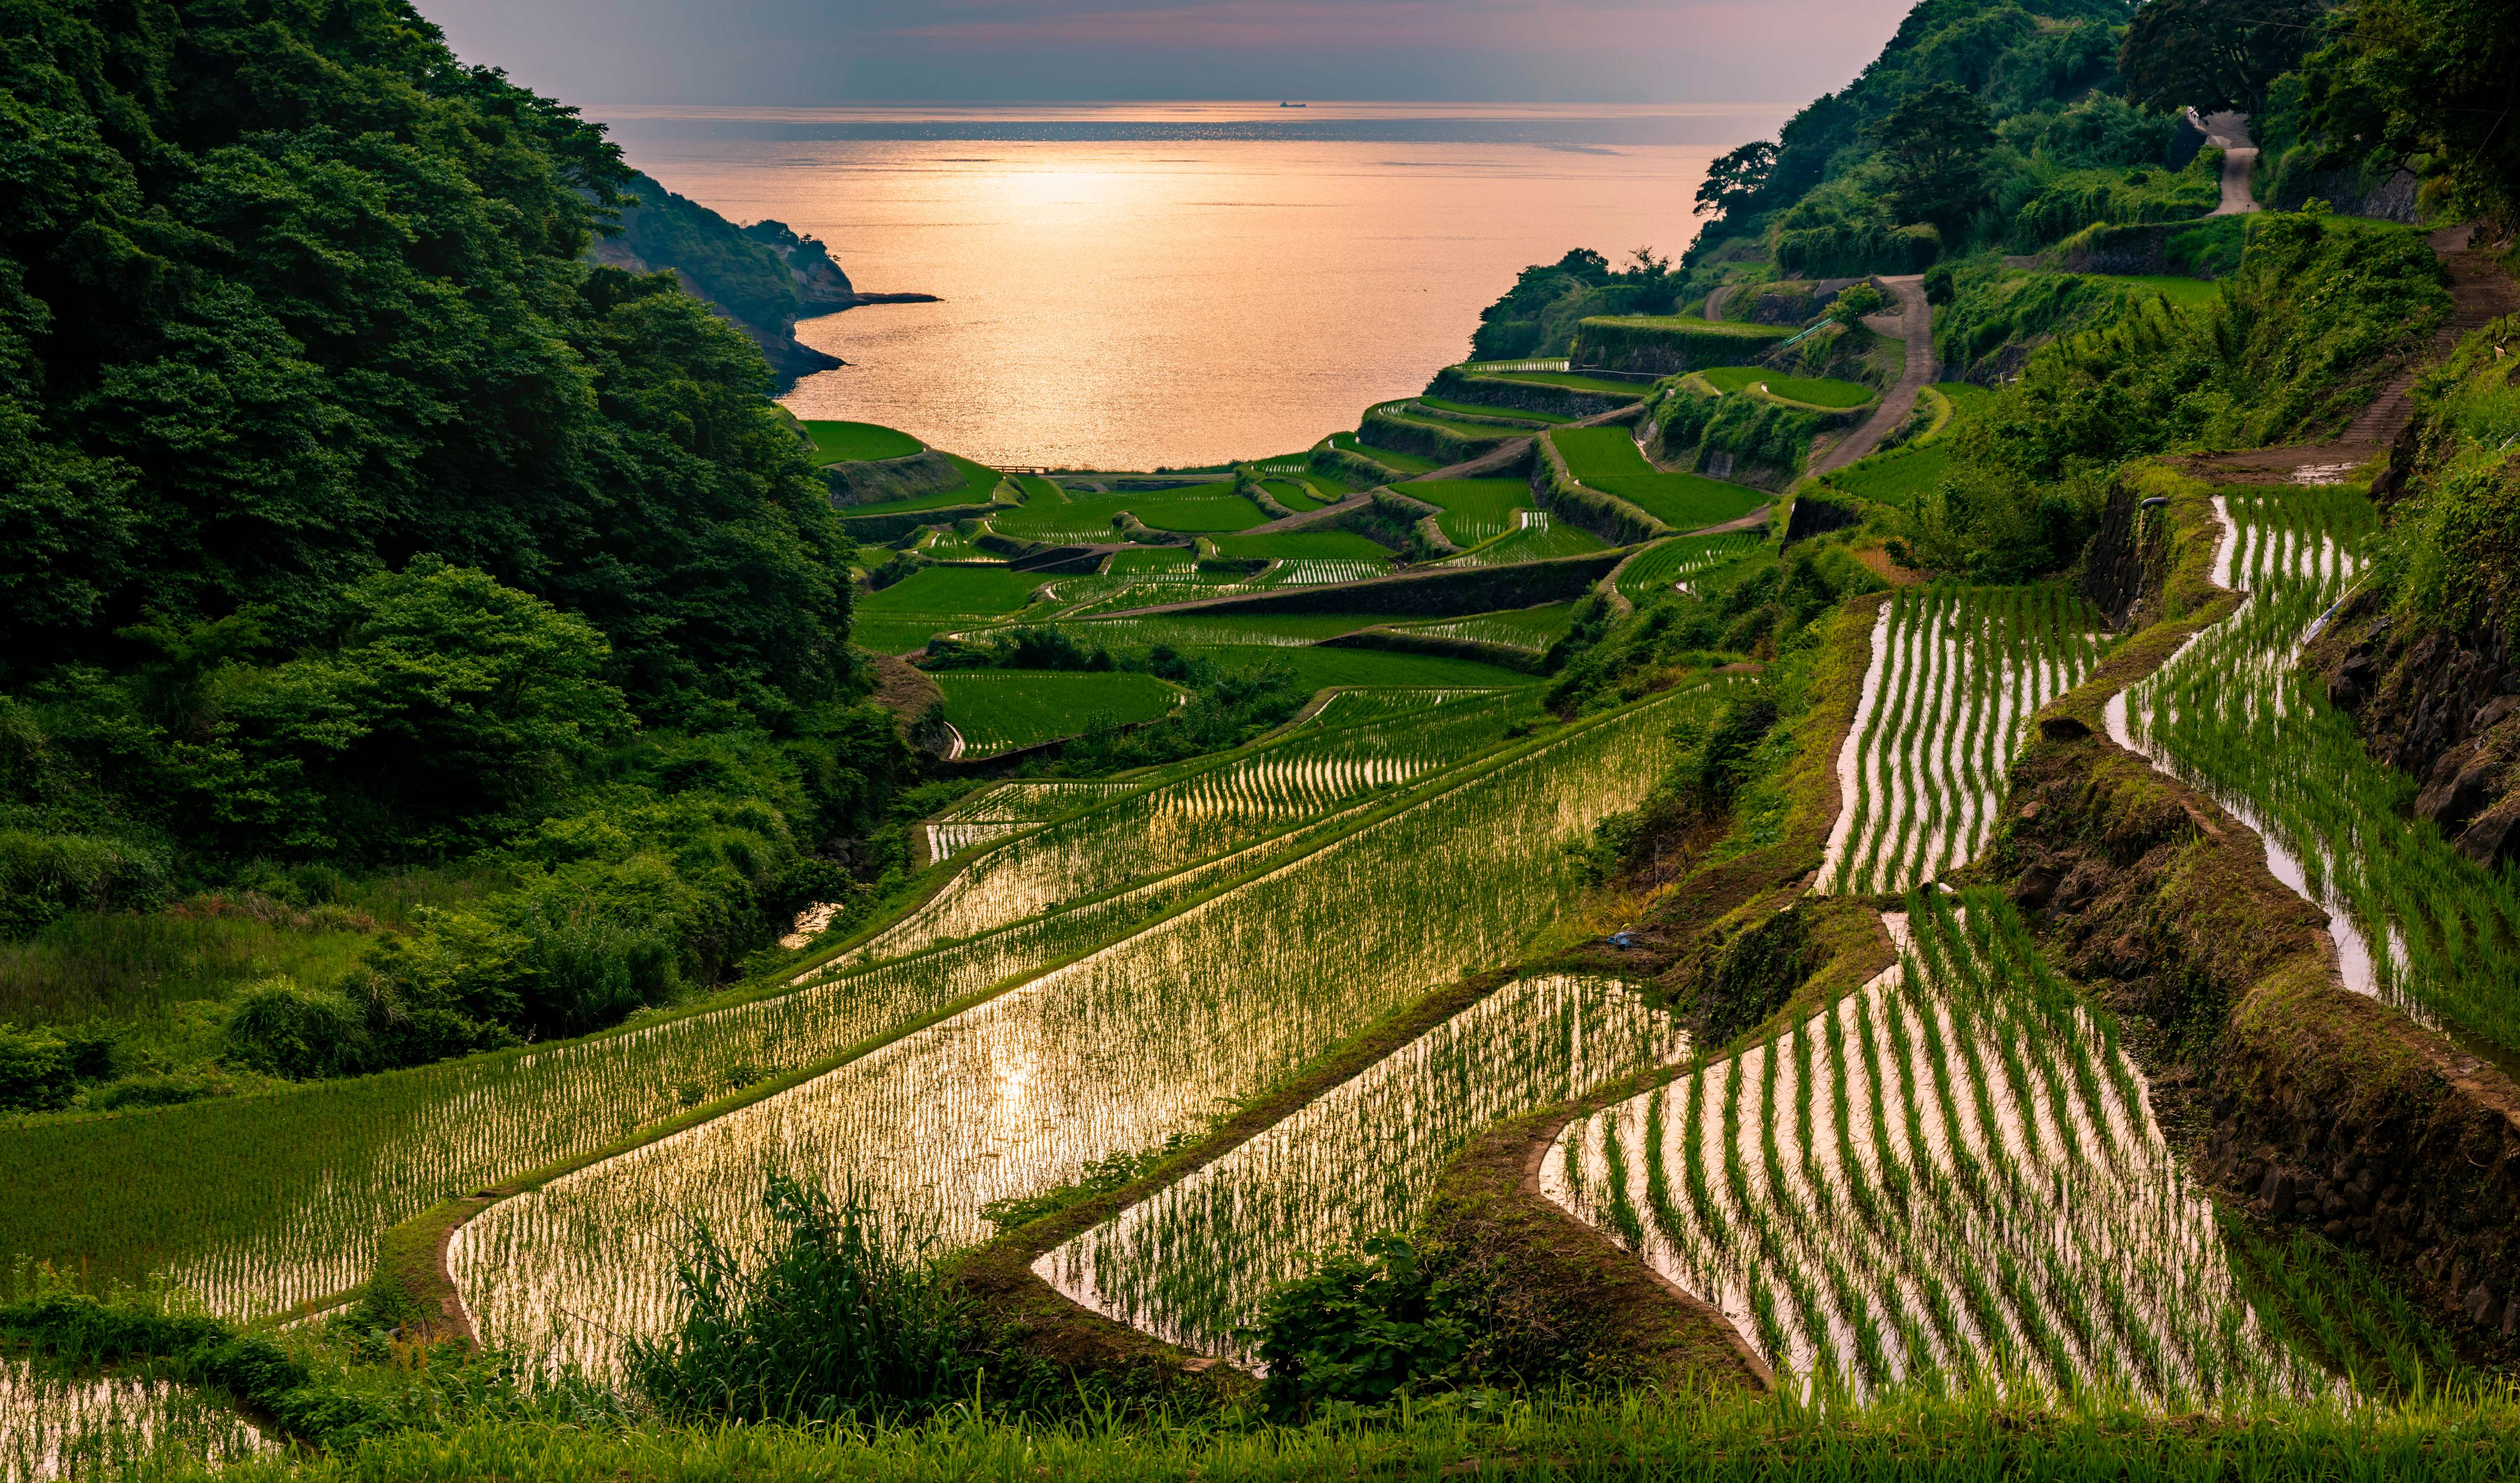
column 798, row 53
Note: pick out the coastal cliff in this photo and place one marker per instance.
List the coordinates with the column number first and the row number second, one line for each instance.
column 762, row 278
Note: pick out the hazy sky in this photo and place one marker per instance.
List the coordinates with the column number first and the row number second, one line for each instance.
column 802, row 52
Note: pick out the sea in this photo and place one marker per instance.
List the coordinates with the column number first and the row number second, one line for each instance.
column 1133, row 287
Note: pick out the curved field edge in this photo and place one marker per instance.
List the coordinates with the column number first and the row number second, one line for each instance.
column 413, row 1276
column 1488, row 1199
column 2180, row 923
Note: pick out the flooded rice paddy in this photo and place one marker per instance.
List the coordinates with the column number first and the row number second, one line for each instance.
column 1111, row 1053
column 1193, row 1263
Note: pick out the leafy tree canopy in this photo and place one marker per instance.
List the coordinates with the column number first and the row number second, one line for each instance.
column 2211, row 55
column 287, row 298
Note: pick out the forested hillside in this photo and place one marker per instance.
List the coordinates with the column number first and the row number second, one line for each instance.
column 375, row 566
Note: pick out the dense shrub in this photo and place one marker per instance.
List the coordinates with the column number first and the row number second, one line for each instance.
column 845, row 1317
column 1363, row 1329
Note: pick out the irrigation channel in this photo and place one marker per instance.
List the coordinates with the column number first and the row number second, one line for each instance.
column 1138, row 1040
column 1955, row 676
column 2415, row 923
column 268, row 1202
column 1950, row 1178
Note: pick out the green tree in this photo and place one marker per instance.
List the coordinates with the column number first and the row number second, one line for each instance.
column 2211, row 55
column 2405, row 78
column 1735, row 179
column 1935, row 143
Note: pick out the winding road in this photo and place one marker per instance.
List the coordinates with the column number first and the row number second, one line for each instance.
column 1916, row 320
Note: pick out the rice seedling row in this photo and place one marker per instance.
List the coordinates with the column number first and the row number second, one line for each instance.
column 2416, row 922
column 1110, row 1054
column 1536, row 535
column 1193, row 1263
column 1532, row 629
column 1660, row 568
column 1348, row 707
column 56, row 1425
column 260, row 1204
column 1950, row 1179
column 1195, row 814
column 1955, row 676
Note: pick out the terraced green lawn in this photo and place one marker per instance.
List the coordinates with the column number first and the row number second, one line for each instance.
column 979, row 485
column 1896, row 476
column 858, row 442
column 1474, row 510
column 1302, row 544
column 1811, row 390
column 1606, row 457
column 1438, row 404
column 998, row 710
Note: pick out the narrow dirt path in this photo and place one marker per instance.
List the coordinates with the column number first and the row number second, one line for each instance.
column 1917, row 318
column 2480, row 291
column 2231, row 133
column 1714, row 300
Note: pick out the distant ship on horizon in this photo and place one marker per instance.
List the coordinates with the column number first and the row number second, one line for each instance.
column 1295, row 104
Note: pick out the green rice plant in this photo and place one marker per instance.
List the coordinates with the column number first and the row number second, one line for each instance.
column 1953, row 1178
column 1318, row 544
column 59, row 1423
column 1295, row 494
column 1536, row 536
column 1473, row 410
column 1810, row 390
column 1188, row 812
column 1197, row 508
column 265, row 1202
column 998, row 710
column 1390, row 458
column 1383, row 702
column 1955, row 676
column 1607, row 459
column 1527, row 628
column 2415, row 921
column 1474, row 510
column 1670, row 565
column 1192, row 1263
column 975, row 590
column 1111, row 1052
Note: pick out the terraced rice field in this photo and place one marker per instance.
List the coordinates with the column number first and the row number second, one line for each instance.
column 265, row 1202
column 1955, row 675
column 1527, row 628
column 1607, row 459
column 2415, row 921
column 1348, row 707
column 1669, row 565
column 1197, row 630
column 1188, row 814
column 1304, row 545
column 1110, row 1054
column 940, row 599
column 1536, row 536
column 1000, row 709
column 1009, row 808
column 1312, row 572
column 1193, row 1263
column 1949, row 1178
column 1474, row 510
column 111, row 1427
column 1810, row 390
column 1197, row 509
